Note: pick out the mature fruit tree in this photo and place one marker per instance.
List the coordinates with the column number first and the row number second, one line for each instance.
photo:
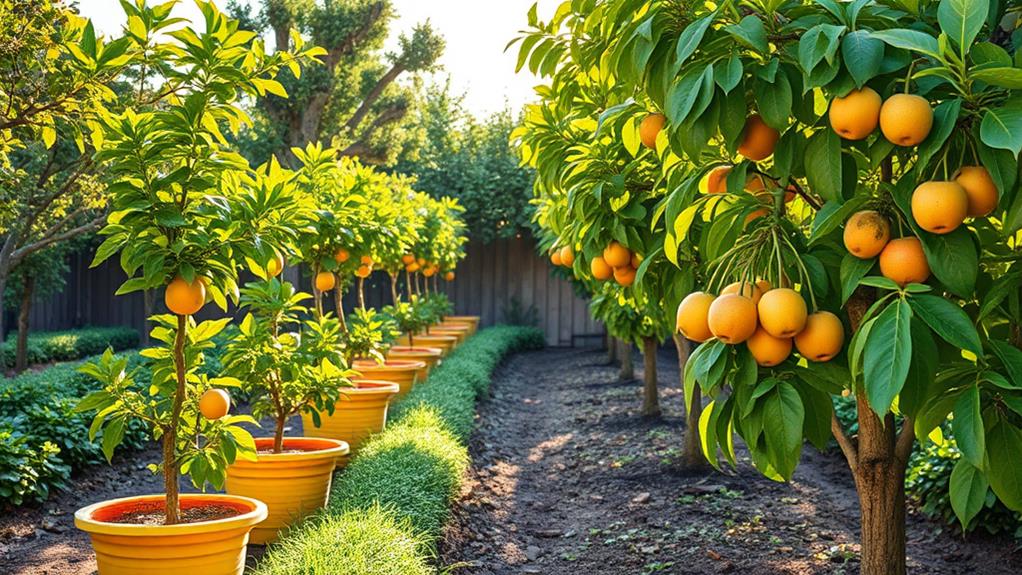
column 853, row 166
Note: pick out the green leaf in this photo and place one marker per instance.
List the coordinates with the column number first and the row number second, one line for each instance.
column 684, row 92
column 887, row 355
column 1010, row 78
column 113, row 434
column 953, row 259
column 783, row 421
column 728, row 73
column 819, row 43
column 1011, row 357
column 862, row 55
column 751, row 32
column 690, row 37
column 968, row 427
column 968, row 491
column 1004, row 445
column 948, row 321
column 910, row 40
column 775, row 101
column 853, row 269
column 945, row 118
column 962, row 20
column 823, row 164
column 1002, row 127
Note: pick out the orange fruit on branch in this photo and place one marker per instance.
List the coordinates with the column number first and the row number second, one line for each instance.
column 650, row 128
column 325, row 281
column 904, row 261
column 616, row 255
column 693, row 316
column 600, row 269
column 940, row 207
column 183, row 298
column 214, row 404
column 979, row 188
column 855, row 116
column 555, row 257
column 822, row 337
column 906, row 119
column 364, row 271
column 732, row 318
column 751, row 291
column 341, row 255
column 782, row 312
column 758, row 139
column 408, row 259
column 767, row 349
column 624, row 276
column 567, row 256
column 449, row 276
column 716, row 180
column 866, row 234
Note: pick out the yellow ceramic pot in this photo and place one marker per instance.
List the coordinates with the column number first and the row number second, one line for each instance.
column 460, row 332
column 292, row 484
column 428, row 355
column 471, row 320
column 403, row 372
column 444, row 342
column 360, row 412
column 205, row 548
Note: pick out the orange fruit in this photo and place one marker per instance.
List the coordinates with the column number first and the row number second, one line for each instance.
column 366, row 260
column 904, row 261
column 341, row 255
column 940, row 207
column 822, row 337
column 866, row 234
column 636, row 260
column 650, row 128
column 624, row 276
column 767, row 349
column 790, row 192
column 214, row 404
column 555, row 258
column 732, row 318
column 429, row 271
column 413, row 267
column 408, row 259
column 906, row 119
column 782, row 312
column 601, row 270
column 449, row 276
column 756, row 186
column 856, row 115
column 183, row 298
column 980, row 189
column 421, row 262
column 616, row 255
column 325, row 281
column 756, row 215
column 716, row 180
column 748, row 290
column 275, row 265
column 692, row 317
column 764, row 286
column 364, row 271
column 567, row 256
column 758, row 139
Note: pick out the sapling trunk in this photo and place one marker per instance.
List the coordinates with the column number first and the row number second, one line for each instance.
column 362, row 293
column 650, row 393
column 611, row 349
column 393, row 288
column 627, row 371
column 339, row 308
column 317, row 297
column 21, row 353
column 408, row 284
column 278, row 434
column 172, row 508
column 691, row 451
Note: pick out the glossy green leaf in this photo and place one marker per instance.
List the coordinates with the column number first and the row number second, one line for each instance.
column 962, row 20
column 886, row 356
column 862, row 55
column 947, row 320
column 968, row 491
column 1002, row 127
column 968, row 427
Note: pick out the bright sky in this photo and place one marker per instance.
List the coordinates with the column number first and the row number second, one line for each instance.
column 476, row 33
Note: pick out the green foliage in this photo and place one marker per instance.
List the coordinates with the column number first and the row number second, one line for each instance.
column 407, row 316
column 46, row 347
column 369, row 333
column 406, row 476
column 28, row 473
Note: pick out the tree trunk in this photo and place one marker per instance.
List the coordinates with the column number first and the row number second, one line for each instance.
column 339, row 308
column 611, row 349
column 5, row 270
column 148, row 303
column 408, row 284
column 317, row 297
column 650, row 394
column 393, row 288
column 362, row 293
column 691, row 451
column 172, row 507
column 21, row 353
column 278, row 435
column 625, row 353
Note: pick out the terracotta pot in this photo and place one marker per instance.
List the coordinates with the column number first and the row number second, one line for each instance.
column 429, row 355
column 444, row 342
column 205, row 548
column 360, row 412
column 471, row 320
column 291, row 484
column 403, row 372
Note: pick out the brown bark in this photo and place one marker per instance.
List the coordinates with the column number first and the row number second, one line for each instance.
column 172, row 506
column 362, row 293
column 611, row 342
column 650, row 393
column 691, row 451
column 278, row 434
column 393, row 288
column 21, row 353
column 627, row 371
column 339, row 308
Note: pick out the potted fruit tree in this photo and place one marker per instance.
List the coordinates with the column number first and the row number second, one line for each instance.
column 408, row 320
column 185, row 214
column 286, row 372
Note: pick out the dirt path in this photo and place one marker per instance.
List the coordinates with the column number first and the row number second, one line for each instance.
column 568, row 479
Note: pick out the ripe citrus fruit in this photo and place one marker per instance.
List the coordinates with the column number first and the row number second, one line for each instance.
column 624, row 276
column 555, row 257
column 904, row 261
column 822, row 337
column 650, row 128
column 758, row 139
column 325, row 281
column 716, row 180
column 567, row 256
column 449, row 276
column 764, row 286
column 636, row 260
column 748, row 290
column 866, row 234
column 421, row 262
column 601, row 270
column 341, row 256
column 366, row 260
column 939, row 207
column 275, row 265
column 214, row 404
column 756, row 215
column 365, row 271
column 906, row 119
column 408, row 259
column 413, row 267
column 856, row 115
column 429, row 272
column 767, row 349
column 782, row 312
column 183, row 298
column 980, row 189
column 616, row 255
column 693, row 312
column 732, row 318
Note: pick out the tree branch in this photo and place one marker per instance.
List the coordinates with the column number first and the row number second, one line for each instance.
column 374, row 95
column 906, row 438
column 844, row 442
column 32, row 248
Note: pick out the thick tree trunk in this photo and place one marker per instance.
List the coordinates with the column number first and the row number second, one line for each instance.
column 691, row 451
column 627, row 371
column 21, row 353
column 278, row 434
column 650, row 393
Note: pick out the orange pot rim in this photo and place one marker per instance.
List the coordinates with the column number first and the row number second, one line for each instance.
column 253, row 512
column 406, row 349
column 366, row 388
column 471, row 318
column 388, row 365
column 433, row 334
column 324, row 449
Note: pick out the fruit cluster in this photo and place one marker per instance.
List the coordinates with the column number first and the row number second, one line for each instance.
column 617, row 262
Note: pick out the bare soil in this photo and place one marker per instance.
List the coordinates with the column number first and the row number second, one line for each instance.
column 567, row 478
column 155, row 516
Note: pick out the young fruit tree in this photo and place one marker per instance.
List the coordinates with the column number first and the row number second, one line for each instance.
column 846, row 176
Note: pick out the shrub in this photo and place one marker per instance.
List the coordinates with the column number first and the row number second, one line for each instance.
column 44, row 347
column 404, row 479
column 28, row 472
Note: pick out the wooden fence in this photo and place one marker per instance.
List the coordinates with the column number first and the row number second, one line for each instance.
column 502, row 281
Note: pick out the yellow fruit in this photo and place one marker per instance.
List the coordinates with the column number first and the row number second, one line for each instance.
column 732, row 318
column 275, row 266
column 822, row 337
column 906, row 119
column 650, row 128
column 408, row 259
column 616, row 255
column 716, row 180
column 364, row 272
column 866, row 234
column 600, row 269
column 904, row 261
column 692, row 317
column 980, row 189
column 939, row 207
column 624, row 276
column 767, row 349
column 567, row 256
column 782, row 312
column 856, row 115
column 748, row 290
column 341, row 256
column 183, row 298
column 555, row 258
column 449, row 276
column 214, row 404
column 758, row 139
column 325, row 281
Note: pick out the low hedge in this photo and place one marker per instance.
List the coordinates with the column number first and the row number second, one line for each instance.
column 45, row 347
column 405, row 478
